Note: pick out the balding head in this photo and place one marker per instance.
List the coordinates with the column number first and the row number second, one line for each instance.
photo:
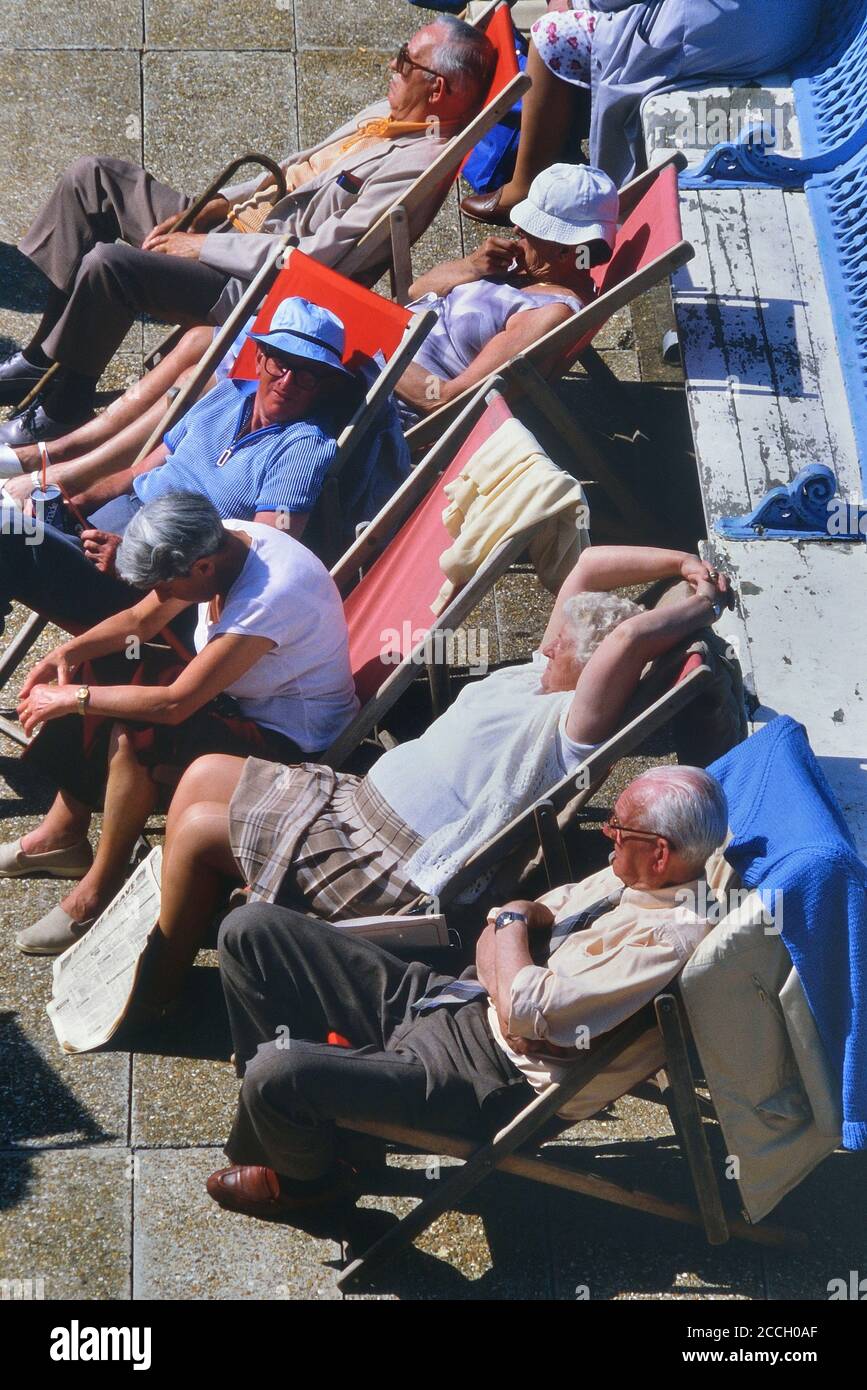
column 686, row 806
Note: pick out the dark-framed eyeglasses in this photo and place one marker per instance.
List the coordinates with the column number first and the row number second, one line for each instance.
column 403, row 61
column 613, row 829
column 276, row 365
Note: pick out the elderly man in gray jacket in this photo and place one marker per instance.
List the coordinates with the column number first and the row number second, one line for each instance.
column 104, row 238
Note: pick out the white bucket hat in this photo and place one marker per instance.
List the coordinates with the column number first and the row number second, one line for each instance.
column 569, row 204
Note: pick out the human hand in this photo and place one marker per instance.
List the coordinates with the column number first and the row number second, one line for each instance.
column 56, row 666
column 19, row 489
column 493, row 257
column 696, row 571
column 44, row 703
column 558, row 5
column 186, row 245
column 101, row 547
column 539, row 917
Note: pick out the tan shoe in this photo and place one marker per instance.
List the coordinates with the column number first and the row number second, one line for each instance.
column 52, row 934
column 74, row 862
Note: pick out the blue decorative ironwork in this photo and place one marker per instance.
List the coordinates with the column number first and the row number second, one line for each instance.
column 800, row 510
column 747, row 163
column 830, row 80
column 838, row 204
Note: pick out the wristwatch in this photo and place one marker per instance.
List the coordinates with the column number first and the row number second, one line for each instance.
column 504, row 918
column 82, row 699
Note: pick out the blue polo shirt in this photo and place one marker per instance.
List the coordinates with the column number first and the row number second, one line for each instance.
column 279, row 468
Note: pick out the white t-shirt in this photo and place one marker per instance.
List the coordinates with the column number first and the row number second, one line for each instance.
column 303, row 686
column 433, row 780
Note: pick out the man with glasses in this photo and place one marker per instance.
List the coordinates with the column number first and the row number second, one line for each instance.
column 258, row 450
column 461, row 1056
column 105, row 240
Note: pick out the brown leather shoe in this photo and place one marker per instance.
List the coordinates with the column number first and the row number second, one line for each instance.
column 255, row 1190
column 485, row 207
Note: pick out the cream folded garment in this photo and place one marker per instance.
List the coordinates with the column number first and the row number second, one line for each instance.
column 509, row 486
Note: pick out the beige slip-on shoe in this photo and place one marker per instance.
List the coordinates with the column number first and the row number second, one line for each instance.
column 52, row 934
column 74, row 862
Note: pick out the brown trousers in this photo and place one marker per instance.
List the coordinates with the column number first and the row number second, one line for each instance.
column 86, row 240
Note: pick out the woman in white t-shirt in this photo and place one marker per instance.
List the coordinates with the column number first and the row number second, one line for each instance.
column 341, row 846
column 270, row 676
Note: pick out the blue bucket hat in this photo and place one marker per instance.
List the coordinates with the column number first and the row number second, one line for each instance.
column 302, row 329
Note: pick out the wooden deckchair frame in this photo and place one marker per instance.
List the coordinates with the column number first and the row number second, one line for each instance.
column 502, row 1152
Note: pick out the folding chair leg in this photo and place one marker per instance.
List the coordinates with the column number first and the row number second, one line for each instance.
column 439, row 680
column 20, row 645
column 688, row 1121
column 554, row 855
column 485, row 1159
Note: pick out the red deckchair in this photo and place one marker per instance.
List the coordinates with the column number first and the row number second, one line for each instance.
column 391, row 626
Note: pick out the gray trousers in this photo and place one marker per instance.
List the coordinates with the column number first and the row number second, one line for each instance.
column 289, row 981
column 74, row 242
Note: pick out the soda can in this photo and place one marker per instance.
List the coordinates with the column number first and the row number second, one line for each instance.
column 48, row 504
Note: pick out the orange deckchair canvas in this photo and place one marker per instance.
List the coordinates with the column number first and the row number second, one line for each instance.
column 372, row 323
column 501, row 31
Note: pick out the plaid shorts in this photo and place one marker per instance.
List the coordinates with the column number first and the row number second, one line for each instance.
column 322, row 841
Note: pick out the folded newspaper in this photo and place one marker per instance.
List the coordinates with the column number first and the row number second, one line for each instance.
column 94, row 981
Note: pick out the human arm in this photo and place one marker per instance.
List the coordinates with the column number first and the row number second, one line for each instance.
column 601, row 568
column 500, row 953
column 610, row 677
column 426, row 392
column 222, row 662
column 493, row 257
column 292, row 523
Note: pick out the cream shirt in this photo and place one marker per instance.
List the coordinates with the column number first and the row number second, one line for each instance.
column 597, row 978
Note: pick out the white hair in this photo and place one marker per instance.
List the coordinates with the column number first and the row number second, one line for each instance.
column 588, row 618
column 464, row 56
column 686, row 806
column 164, row 540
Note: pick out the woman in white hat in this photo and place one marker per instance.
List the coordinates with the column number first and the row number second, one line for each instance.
column 510, row 292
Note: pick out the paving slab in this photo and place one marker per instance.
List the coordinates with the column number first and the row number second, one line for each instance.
column 186, row 1247
column 187, row 137
column 57, row 24
column 235, row 25
column 66, row 1221
column 48, row 1097
column 100, row 113
column 494, row 1246
column 184, row 1089
column 365, row 23
column 333, row 85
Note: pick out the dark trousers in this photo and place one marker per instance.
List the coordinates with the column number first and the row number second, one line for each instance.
column 289, row 981
column 74, row 241
column 54, row 576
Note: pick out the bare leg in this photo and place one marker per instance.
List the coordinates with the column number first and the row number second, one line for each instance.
column 130, row 796
column 198, row 866
column 65, row 825
column 546, row 113
column 129, row 407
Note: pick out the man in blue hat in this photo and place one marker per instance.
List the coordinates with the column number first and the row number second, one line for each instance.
column 259, row 450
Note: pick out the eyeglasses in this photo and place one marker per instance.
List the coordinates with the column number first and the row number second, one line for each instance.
column 614, row 830
column 403, row 61
column 276, row 365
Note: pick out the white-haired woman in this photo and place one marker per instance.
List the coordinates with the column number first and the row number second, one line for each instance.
column 343, row 846
column 270, row 675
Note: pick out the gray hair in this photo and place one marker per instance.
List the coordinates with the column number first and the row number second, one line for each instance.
column 164, row 540
column 465, row 56
column 588, row 618
column 685, row 805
